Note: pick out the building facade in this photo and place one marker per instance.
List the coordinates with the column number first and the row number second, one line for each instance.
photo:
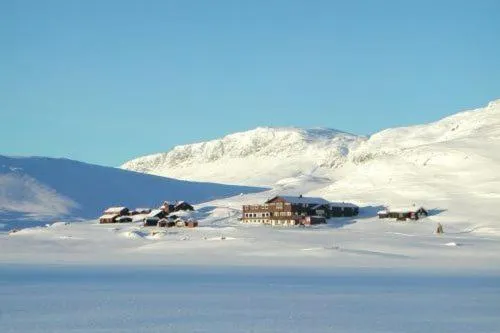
column 290, row 210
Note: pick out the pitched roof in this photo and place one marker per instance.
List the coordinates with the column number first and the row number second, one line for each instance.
column 114, row 210
column 301, row 200
column 342, row 204
column 406, row 209
column 142, row 209
column 109, row 216
column 154, row 212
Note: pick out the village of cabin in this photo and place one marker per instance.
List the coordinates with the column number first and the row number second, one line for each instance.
column 277, row 211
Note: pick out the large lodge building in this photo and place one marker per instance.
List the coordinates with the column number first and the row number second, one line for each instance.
column 290, row 210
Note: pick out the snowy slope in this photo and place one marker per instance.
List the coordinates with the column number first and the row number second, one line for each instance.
column 451, row 166
column 260, row 156
column 51, row 187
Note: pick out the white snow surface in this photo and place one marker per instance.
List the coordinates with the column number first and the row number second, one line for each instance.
column 60, row 299
column 260, row 156
column 34, row 188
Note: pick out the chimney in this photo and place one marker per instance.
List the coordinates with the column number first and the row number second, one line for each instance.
column 300, row 196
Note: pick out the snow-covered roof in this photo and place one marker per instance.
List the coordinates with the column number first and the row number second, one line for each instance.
column 405, row 209
column 382, row 212
column 342, row 204
column 154, row 212
column 114, row 210
column 109, row 216
column 302, row 200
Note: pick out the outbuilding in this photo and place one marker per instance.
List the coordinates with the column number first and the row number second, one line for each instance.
column 108, row 218
column 183, row 206
column 124, row 219
column 403, row 213
column 191, row 223
column 121, row 211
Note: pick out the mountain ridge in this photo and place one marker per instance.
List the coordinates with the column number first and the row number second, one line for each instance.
column 324, row 149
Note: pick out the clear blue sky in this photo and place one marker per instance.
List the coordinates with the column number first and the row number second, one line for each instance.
column 104, row 81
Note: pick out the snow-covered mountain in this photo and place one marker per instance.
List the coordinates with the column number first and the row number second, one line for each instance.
column 449, row 165
column 257, row 157
column 264, row 156
column 54, row 188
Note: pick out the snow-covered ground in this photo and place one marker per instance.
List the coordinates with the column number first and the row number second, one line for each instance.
column 221, row 239
column 60, row 299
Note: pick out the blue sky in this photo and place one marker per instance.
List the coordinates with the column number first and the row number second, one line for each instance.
column 106, row 81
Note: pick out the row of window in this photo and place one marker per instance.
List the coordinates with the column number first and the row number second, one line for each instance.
column 268, row 214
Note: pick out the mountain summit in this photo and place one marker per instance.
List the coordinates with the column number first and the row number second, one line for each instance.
column 260, row 156
column 266, row 156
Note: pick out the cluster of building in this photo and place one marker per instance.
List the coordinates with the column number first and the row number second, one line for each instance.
column 164, row 216
column 278, row 211
column 401, row 214
column 296, row 210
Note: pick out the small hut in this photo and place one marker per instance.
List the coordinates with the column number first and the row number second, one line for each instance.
column 151, row 221
column 191, row 223
column 108, row 218
column 312, row 220
column 180, row 222
column 159, row 213
column 383, row 214
column 183, row 206
column 138, row 211
column 412, row 213
column 124, row 219
column 121, row 211
column 167, row 207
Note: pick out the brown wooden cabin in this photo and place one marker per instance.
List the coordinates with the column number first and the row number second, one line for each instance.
column 180, row 222
column 151, row 221
column 108, row 218
column 183, row 206
column 121, row 211
column 402, row 214
column 138, row 211
column 112, row 213
column 159, row 213
column 342, row 209
column 124, row 219
column 312, row 220
column 166, row 223
column 167, row 207
column 191, row 224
